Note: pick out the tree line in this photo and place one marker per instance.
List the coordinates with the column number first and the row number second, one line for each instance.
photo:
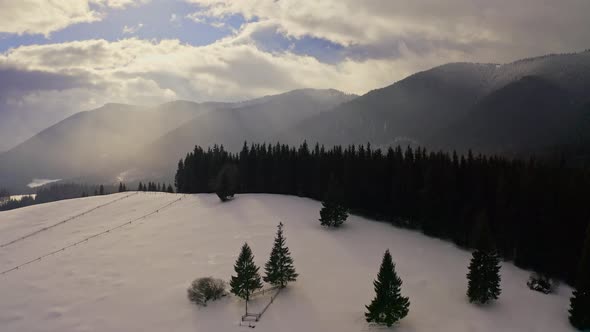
column 56, row 192
column 537, row 210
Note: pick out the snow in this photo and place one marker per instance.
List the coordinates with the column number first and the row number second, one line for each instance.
column 19, row 197
column 134, row 278
column 41, row 182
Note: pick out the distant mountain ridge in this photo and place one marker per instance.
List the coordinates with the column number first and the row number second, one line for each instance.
column 419, row 107
column 130, row 142
column 521, row 107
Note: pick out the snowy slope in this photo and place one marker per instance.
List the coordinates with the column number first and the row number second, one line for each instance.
column 134, row 278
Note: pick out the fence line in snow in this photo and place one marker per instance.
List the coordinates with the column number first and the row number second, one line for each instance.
column 91, row 237
column 64, row 221
column 256, row 316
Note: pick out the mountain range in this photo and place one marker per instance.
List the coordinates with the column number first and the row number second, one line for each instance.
column 518, row 108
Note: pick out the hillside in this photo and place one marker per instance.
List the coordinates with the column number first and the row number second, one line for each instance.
column 92, row 142
column 445, row 98
column 522, row 116
column 263, row 119
column 129, row 143
column 134, row 278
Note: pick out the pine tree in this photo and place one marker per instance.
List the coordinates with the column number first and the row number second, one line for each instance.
column 388, row 306
column 580, row 302
column 247, row 279
column 279, row 268
column 140, row 187
column 170, row 189
column 101, row 189
column 121, row 187
column 484, row 269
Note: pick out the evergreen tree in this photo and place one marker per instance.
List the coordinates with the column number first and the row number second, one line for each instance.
column 170, row 189
column 247, row 279
column 333, row 214
column 388, row 306
column 279, row 268
column 226, row 182
column 101, row 190
column 121, row 187
column 484, row 269
column 580, row 302
column 4, row 194
column 140, row 187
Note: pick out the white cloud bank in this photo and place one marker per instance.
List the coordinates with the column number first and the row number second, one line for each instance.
column 46, row 16
column 499, row 30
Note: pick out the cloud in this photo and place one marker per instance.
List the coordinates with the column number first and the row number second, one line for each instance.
column 482, row 30
column 376, row 43
column 119, row 4
column 203, row 18
column 44, row 17
column 132, row 29
column 231, row 69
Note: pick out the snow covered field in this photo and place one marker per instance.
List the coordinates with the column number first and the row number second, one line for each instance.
column 134, row 278
column 19, row 197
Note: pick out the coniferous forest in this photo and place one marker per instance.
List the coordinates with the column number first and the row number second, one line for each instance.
column 537, row 210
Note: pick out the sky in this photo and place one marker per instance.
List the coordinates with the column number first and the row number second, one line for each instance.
column 58, row 57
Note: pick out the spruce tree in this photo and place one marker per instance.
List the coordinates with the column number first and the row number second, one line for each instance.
column 580, row 302
column 101, row 189
column 388, row 306
column 247, row 279
column 484, row 269
column 279, row 268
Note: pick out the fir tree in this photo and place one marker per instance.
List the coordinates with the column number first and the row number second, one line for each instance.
column 484, row 269
column 170, row 189
column 140, row 187
column 226, row 182
column 388, row 306
column 332, row 214
column 580, row 302
column 101, row 190
column 279, row 268
column 121, row 189
column 247, row 279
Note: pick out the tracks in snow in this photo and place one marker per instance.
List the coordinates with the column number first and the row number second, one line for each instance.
column 4, row 245
column 93, row 236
